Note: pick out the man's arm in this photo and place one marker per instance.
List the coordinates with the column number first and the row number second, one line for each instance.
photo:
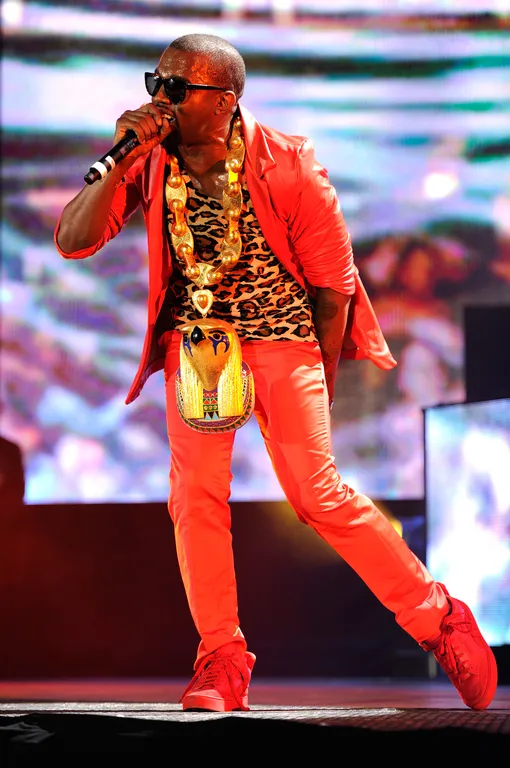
column 85, row 217
column 331, row 312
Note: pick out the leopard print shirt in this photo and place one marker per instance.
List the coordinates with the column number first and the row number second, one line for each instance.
column 259, row 297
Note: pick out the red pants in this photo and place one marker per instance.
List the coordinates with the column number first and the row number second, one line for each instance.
column 292, row 411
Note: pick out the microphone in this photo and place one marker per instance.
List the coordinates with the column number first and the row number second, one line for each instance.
column 108, row 162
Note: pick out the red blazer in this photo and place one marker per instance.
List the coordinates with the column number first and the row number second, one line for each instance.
column 300, row 216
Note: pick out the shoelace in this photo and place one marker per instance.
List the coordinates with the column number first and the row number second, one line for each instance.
column 449, row 652
column 211, row 671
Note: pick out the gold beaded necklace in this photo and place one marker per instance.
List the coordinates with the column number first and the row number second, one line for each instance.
column 200, row 273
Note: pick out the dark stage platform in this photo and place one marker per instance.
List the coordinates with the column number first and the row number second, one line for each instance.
column 140, row 723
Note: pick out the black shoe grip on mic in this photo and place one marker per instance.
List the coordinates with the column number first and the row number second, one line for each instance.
column 108, row 162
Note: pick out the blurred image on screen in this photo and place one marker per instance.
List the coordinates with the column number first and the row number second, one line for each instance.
column 468, row 508
column 410, row 118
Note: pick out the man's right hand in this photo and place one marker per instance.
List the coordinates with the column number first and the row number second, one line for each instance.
column 85, row 217
column 151, row 126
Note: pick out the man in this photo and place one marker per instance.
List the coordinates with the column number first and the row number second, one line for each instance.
column 283, row 292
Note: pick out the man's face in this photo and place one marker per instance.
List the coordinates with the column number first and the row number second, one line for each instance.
column 196, row 116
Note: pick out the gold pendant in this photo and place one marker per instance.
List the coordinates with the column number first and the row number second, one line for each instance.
column 202, row 301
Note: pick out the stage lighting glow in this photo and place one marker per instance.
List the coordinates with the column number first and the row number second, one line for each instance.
column 12, row 13
column 439, row 185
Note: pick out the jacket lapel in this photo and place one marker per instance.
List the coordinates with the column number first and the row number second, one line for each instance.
column 160, row 265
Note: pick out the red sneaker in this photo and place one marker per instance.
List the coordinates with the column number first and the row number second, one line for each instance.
column 465, row 656
column 221, row 682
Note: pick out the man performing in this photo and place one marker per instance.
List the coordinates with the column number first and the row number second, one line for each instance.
column 254, row 298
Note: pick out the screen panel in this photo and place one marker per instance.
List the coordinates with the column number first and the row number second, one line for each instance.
column 410, row 120
column 468, row 508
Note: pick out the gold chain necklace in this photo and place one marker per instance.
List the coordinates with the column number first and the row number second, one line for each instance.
column 176, row 194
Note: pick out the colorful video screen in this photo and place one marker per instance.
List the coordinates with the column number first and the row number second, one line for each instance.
column 407, row 110
column 467, row 450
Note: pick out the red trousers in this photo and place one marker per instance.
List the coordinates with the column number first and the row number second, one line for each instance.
column 291, row 408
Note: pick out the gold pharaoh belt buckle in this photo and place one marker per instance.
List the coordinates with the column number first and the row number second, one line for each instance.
column 214, row 386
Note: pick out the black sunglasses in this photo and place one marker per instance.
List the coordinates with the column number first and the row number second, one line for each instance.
column 175, row 87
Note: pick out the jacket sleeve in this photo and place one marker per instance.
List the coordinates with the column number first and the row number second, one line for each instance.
column 317, row 227
column 125, row 202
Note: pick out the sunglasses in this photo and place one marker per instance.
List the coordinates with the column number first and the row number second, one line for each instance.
column 175, row 87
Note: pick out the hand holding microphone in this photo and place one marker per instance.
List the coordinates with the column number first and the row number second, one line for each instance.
column 137, row 132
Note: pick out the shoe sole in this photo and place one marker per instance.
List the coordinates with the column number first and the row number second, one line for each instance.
column 205, row 703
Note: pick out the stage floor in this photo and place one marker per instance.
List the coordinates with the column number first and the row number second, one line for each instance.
column 140, row 722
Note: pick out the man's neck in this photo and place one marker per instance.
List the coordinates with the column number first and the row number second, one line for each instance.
column 203, row 161
column 207, row 157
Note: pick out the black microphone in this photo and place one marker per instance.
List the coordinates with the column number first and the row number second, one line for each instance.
column 108, row 162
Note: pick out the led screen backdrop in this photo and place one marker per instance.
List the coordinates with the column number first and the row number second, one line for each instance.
column 410, row 116
column 468, row 508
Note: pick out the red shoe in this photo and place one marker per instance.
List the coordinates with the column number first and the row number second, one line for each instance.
column 465, row 656
column 221, row 682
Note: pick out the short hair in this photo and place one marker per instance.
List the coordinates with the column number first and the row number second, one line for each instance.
column 227, row 63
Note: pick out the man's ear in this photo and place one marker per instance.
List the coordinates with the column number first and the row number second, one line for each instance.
column 227, row 102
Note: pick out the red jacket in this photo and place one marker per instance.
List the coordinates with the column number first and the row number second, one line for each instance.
column 300, row 216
